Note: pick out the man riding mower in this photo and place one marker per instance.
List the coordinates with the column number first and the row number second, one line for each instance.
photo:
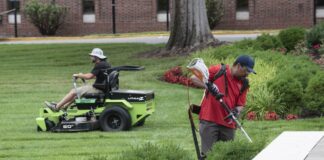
column 113, row 109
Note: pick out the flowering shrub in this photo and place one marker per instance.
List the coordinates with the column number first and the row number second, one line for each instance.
column 316, row 46
column 315, row 35
column 271, row 116
column 251, row 116
column 291, row 117
column 175, row 75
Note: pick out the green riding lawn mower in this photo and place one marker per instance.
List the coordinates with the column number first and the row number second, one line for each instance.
column 113, row 110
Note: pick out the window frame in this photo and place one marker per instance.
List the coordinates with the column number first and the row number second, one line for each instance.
column 88, row 13
column 161, row 12
column 11, row 5
column 319, row 9
column 242, row 12
column 89, row 9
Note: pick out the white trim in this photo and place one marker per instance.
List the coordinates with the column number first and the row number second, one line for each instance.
column 89, row 18
column 320, row 12
column 162, row 16
column 242, row 15
column 11, row 18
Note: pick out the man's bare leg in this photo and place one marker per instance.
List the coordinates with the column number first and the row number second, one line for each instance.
column 68, row 99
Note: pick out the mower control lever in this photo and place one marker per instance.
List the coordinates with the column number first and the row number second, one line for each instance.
column 75, row 85
column 76, row 78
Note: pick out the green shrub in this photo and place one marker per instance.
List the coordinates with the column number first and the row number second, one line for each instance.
column 267, row 41
column 291, row 36
column 237, row 149
column 301, row 72
column 300, row 49
column 262, row 100
column 150, row 151
column 262, row 42
column 315, row 35
column 289, row 90
column 47, row 17
column 246, row 44
column 215, row 12
column 314, row 95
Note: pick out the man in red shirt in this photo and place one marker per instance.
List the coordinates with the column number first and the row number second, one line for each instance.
column 213, row 126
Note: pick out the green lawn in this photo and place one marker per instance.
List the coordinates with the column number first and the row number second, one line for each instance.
column 31, row 74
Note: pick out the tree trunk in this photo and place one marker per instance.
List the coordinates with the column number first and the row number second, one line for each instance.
column 190, row 28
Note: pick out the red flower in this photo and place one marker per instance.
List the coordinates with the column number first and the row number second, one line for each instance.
column 316, row 46
column 271, row 116
column 170, row 77
column 174, row 75
column 176, row 71
column 291, row 117
column 251, row 116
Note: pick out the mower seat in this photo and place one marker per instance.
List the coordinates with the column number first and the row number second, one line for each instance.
column 94, row 95
column 111, row 83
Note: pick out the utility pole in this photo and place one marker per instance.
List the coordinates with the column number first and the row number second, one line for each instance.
column 167, row 14
column 16, row 25
column 113, row 17
column 314, row 11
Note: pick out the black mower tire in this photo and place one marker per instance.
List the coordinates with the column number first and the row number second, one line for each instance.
column 49, row 125
column 115, row 118
column 141, row 123
column 38, row 129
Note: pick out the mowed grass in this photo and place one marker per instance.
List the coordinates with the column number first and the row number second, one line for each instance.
column 31, row 74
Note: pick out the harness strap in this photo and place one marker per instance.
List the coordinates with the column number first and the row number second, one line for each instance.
column 193, row 127
column 220, row 73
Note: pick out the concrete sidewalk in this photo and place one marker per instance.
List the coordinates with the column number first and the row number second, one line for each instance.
column 298, row 145
column 147, row 39
column 317, row 153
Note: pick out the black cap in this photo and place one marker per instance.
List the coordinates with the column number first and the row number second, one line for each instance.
column 246, row 61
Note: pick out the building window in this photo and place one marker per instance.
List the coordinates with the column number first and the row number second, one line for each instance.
column 162, row 10
column 320, row 9
column 12, row 4
column 242, row 10
column 88, row 9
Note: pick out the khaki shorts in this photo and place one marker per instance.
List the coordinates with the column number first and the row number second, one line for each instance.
column 87, row 89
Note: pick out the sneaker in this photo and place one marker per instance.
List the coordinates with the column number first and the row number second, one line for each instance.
column 52, row 106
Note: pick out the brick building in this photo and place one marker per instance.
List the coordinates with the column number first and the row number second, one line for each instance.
column 271, row 14
column 96, row 16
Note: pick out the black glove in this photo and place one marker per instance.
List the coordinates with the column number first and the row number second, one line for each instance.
column 236, row 113
column 213, row 89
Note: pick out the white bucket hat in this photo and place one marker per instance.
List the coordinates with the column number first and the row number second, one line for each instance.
column 97, row 52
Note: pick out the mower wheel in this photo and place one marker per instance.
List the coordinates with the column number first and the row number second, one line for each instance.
column 38, row 129
column 140, row 123
column 115, row 119
column 49, row 124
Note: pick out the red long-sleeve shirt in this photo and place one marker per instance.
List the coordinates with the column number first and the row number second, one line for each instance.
column 211, row 109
